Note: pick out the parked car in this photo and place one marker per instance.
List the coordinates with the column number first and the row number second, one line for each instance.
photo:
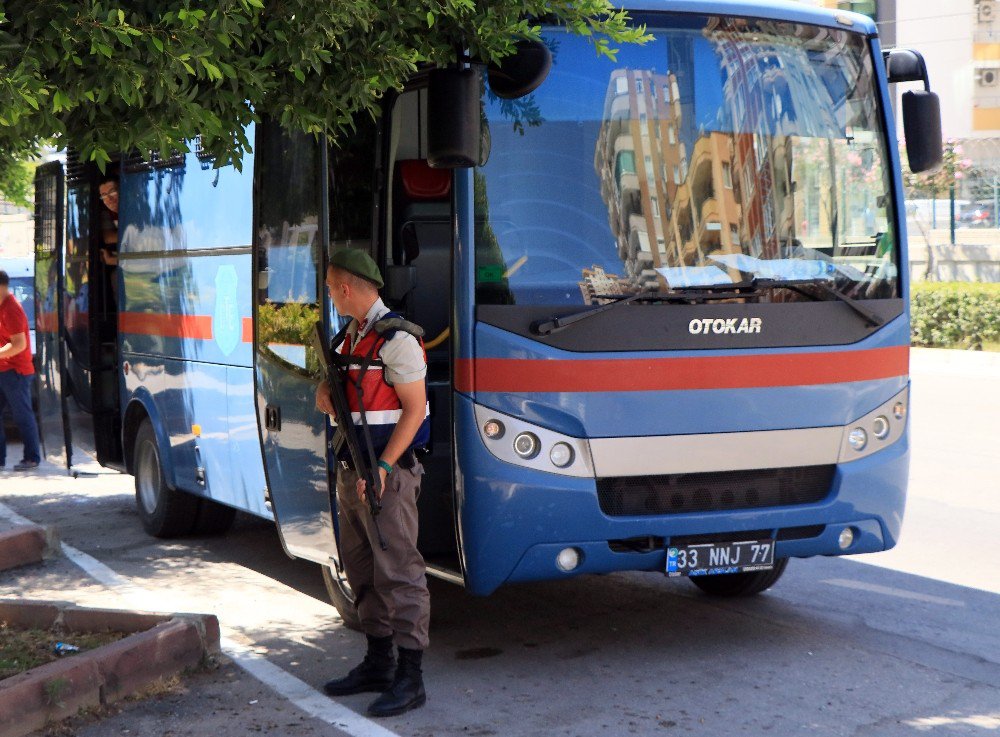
column 976, row 216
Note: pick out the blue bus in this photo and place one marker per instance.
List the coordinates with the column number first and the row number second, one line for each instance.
column 665, row 301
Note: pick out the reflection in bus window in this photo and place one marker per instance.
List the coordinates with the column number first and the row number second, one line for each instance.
column 722, row 138
column 288, row 237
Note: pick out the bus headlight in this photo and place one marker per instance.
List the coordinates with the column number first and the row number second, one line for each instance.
column 561, row 455
column 568, row 559
column 526, row 445
column 857, row 442
column 493, row 429
column 522, row 443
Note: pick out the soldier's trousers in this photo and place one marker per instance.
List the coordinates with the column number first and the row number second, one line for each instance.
column 390, row 586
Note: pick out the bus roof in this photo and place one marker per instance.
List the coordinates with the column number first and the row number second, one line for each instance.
column 786, row 10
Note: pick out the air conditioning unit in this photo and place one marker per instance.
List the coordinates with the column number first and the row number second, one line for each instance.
column 985, row 11
column 988, row 77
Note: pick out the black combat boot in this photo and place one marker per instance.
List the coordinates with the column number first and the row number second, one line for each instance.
column 373, row 674
column 407, row 689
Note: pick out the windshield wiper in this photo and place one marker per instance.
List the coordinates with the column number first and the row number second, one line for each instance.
column 555, row 324
column 691, row 295
column 872, row 318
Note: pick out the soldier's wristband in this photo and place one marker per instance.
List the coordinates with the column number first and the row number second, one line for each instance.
column 384, row 466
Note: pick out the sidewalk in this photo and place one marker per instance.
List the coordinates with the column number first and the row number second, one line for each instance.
column 224, row 701
column 946, row 361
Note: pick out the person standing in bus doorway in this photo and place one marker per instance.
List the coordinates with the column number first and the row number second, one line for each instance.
column 16, row 371
column 390, row 586
column 108, row 191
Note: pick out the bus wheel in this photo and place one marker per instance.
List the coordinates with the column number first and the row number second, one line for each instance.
column 214, row 518
column 341, row 596
column 164, row 512
column 740, row 584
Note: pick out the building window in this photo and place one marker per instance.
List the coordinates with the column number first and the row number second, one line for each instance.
column 734, row 235
column 677, row 175
column 648, row 165
column 621, row 85
column 624, row 165
column 654, row 207
column 671, row 136
column 727, row 174
column 638, row 86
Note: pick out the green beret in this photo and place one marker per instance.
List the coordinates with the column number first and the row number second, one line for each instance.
column 357, row 262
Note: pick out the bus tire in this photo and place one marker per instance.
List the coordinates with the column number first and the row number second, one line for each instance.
column 341, row 597
column 164, row 512
column 740, row 584
column 214, row 518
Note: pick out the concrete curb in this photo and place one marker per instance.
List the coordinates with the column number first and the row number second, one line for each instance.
column 160, row 645
column 26, row 544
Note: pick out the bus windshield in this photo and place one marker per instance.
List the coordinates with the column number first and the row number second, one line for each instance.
column 726, row 149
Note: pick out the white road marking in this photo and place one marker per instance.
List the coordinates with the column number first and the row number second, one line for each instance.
column 892, row 591
column 295, row 690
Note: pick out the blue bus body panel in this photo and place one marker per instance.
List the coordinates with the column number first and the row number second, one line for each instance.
column 185, row 324
column 189, row 308
column 186, row 207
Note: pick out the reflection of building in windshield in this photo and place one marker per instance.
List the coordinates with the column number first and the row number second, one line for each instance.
column 599, row 287
column 793, row 95
column 666, row 207
column 784, row 157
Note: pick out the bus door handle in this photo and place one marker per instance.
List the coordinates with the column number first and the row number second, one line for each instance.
column 272, row 417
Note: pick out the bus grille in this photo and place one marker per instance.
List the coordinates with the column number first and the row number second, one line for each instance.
column 623, row 496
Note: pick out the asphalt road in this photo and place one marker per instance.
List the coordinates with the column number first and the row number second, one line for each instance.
column 898, row 643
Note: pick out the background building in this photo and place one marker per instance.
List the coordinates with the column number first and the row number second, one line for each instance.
column 16, row 230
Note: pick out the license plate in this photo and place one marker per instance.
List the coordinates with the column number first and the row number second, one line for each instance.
column 708, row 559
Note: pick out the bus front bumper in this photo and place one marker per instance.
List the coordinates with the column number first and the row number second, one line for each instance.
column 515, row 521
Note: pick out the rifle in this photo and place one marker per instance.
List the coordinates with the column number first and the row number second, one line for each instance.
column 348, row 432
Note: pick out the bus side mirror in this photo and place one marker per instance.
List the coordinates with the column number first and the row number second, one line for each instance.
column 904, row 65
column 922, row 128
column 453, row 118
column 921, row 109
column 522, row 72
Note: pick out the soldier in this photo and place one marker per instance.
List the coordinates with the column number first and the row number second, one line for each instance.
column 390, row 586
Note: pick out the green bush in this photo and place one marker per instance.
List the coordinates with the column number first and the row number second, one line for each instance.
column 955, row 314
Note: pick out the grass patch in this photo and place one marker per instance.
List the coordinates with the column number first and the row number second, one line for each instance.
column 22, row 650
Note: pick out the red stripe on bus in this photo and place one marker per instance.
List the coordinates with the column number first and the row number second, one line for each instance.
column 197, row 327
column 194, row 327
column 665, row 374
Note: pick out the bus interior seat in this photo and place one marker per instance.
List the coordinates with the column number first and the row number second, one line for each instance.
column 422, row 203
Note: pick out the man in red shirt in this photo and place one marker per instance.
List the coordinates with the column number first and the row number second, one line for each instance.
column 16, row 371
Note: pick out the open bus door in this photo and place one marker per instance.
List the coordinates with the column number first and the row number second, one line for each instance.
column 53, row 423
column 89, row 324
column 289, row 295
